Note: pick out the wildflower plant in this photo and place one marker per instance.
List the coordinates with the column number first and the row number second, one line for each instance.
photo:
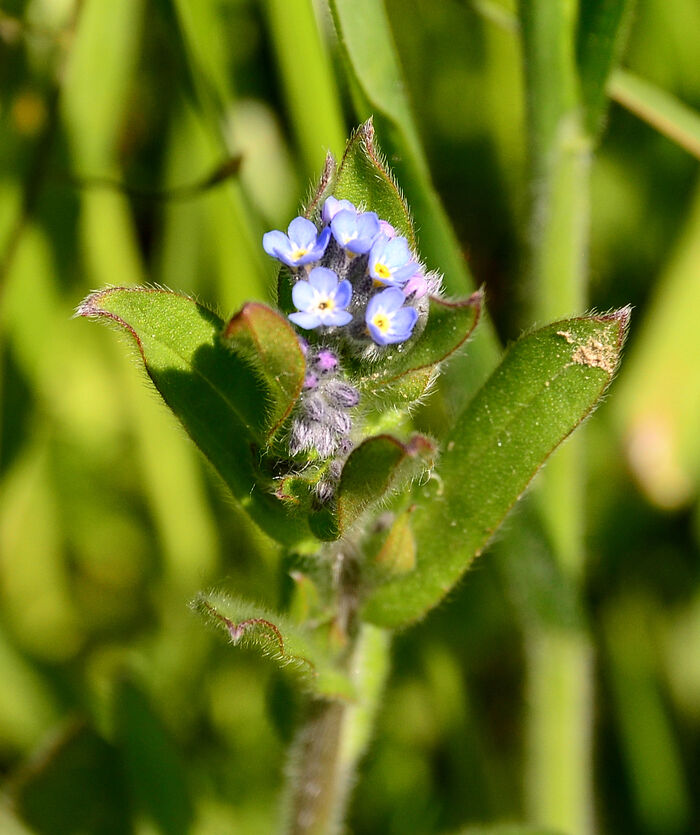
column 307, row 410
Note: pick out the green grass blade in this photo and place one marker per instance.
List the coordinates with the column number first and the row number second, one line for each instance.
column 602, row 30
column 307, row 78
column 548, row 382
column 663, row 111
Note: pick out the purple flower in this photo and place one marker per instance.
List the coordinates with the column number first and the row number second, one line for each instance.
column 387, row 229
column 332, row 206
column 416, row 286
column 387, row 319
column 321, row 300
column 326, row 360
column 355, row 232
column 391, row 261
column 301, row 245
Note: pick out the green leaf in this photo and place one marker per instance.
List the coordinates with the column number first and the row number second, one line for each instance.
column 375, row 470
column 277, row 638
column 547, row 383
column 154, row 769
column 258, row 334
column 602, row 30
column 365, row 179
column 215, row 394
column 404, row 375
column 50, row 793
column 663, row 111
column 397, row 554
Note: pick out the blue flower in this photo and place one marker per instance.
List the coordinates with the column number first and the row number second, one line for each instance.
column 332, row 206
column 355, row 232
column 387, row 319
column 301, row 245
column 391, row 261
column 321, row 300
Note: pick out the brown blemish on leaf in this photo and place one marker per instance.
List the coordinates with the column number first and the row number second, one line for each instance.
column 596, row 354
column 567, row 336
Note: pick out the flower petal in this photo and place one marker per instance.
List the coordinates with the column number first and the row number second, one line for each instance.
column 305, row 320
column 336, row 317
column 344, row 226
column 332, row 206
column 276, row 242
column 302, row 232
column 343, row 294
column 390, row 299
column 397, row 253
column 403, row 321
column 303, row 295
column 323, row 280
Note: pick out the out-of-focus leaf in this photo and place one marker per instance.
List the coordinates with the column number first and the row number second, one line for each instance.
column 658, row 782
column 365, row 179
column 449, row 325
column 658, row 400
column 546, row 385
column 508, row 829
column 74, row 785
column 308, row 79
column 284, row 642
column 375, row 469
column 213, row 393
column 602, row 29
column 154, row 771
column 267, row 341
column 663, row 111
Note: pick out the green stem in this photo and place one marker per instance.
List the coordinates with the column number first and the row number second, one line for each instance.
column 559, row 785
column 329, row 746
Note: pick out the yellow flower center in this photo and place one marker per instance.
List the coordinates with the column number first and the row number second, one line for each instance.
column 298, row 253
column 325, row 304
column 381, row 322
column 382, row 271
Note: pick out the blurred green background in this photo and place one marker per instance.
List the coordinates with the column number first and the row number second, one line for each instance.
column 118, row 712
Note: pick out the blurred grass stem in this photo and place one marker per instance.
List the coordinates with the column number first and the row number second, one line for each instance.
column 558, row 786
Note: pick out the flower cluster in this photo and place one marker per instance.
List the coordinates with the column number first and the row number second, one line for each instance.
column 355, row 273
column 357, row 288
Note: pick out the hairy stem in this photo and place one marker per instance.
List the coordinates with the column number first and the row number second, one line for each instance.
column 328, row 748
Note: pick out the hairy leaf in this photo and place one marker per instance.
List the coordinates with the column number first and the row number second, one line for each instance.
column 547, row 383
column 286, row 643
column 405, row 374
column 365, row 179
column 375, row 469
column 258, row 334
column 215, row 394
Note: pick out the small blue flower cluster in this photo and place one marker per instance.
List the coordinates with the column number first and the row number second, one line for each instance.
column 358, row 285
column 355, row 273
